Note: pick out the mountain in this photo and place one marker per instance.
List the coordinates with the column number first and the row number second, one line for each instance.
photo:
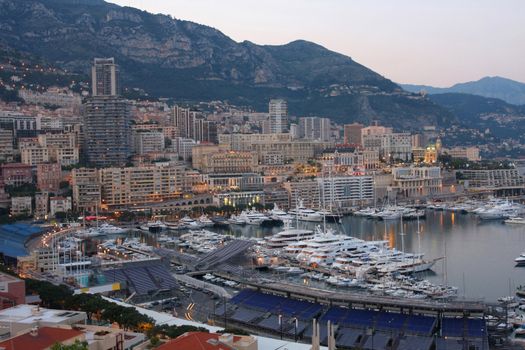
column 191, row 62
column 507, row 90
column 504, row 120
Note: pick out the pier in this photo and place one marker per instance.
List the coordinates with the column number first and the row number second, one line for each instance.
column 361, row 300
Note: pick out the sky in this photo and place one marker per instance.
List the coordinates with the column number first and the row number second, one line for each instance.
column 431, row 42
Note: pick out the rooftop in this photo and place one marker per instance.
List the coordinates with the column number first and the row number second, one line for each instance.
column 16, row 165
column 30, row 314
column 4, row 277
column 43, row 338
column 196, row 340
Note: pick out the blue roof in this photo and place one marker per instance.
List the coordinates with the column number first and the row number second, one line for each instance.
column 21, row 229
column 14, row 236
column 12, row 251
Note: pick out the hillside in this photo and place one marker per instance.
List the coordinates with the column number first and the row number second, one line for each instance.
column 504, row 120
column 192, row 62
column 504, row 89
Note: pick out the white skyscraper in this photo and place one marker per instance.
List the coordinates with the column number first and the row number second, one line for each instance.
column 278, row 116
column 105, row 77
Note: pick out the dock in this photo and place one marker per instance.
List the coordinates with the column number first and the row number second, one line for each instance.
column 362, row 300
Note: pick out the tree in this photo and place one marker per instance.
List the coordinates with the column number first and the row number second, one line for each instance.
column 77, row 345
column 60, row 215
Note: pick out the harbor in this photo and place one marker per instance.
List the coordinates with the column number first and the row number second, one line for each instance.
column 404, row 265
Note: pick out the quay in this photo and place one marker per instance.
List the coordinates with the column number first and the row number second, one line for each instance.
column 361, row 300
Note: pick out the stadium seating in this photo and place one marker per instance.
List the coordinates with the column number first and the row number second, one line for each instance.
column 453, row 327
column 142, row 279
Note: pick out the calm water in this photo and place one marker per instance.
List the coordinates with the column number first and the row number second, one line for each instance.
column 479, row 255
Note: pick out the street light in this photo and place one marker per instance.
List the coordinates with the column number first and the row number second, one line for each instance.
column 295, row 328
column 281, row 325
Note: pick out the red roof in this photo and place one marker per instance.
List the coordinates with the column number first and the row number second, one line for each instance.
column 46, row 337
column 16, row 165
column 196, row 341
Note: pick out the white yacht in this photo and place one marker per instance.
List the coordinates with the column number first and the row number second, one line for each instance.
column 253, row 217
column 278, row 214
column 205, row 221
column 520, row 260
column 500, row 211
column 288, row 236
column 516, row 220
column 305, row 214
column 365, row 212
column 109, row 229
column 236, row 220
column 326, row 246
column 89, row 233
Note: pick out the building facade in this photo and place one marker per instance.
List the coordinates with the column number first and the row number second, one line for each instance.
column 105, row 77
column 314, row 128
column 86, row 189
column 143, row 184
column 493, row 179
column 352, row 133
column 48, row 177
column 417, row 181
column 107, row 130
column 16, row 174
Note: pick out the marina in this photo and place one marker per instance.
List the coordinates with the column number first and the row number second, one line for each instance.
column 459, row 249
column 473, row 247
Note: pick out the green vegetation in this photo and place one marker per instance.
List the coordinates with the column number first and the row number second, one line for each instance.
column 101, row 310
column 21, row 191
column 172, row 332
column 462, row 163
column 235, row 331
column 77, row 345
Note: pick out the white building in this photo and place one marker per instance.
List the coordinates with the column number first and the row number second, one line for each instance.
column 184, row 147
column 53, row 97
column 346, row 191
column 391, row 146
column 59, row 204
column 315, row 128
column 278, row 110
column 469, row 153
column 21, row 206
column 148, row 141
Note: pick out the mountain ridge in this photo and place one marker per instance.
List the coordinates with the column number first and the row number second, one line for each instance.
column 508, row 90
column 191, row 62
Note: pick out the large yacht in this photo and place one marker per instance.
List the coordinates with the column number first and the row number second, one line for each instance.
column 154, row 226
column 325, row 246
column 253, row 217
column 278, row 214
column 288, row 237
column 305, row 214
column 500, row 211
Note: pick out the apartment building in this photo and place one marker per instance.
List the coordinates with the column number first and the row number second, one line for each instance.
column 87, row 192
column 142, row 184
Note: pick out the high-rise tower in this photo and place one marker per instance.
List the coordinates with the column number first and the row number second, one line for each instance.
column 107, row 118
column 105, row 77
column 278, row 110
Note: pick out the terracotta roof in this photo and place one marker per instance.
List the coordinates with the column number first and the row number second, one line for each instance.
column 16, row 165
column 196, row 341
column 46, row 337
